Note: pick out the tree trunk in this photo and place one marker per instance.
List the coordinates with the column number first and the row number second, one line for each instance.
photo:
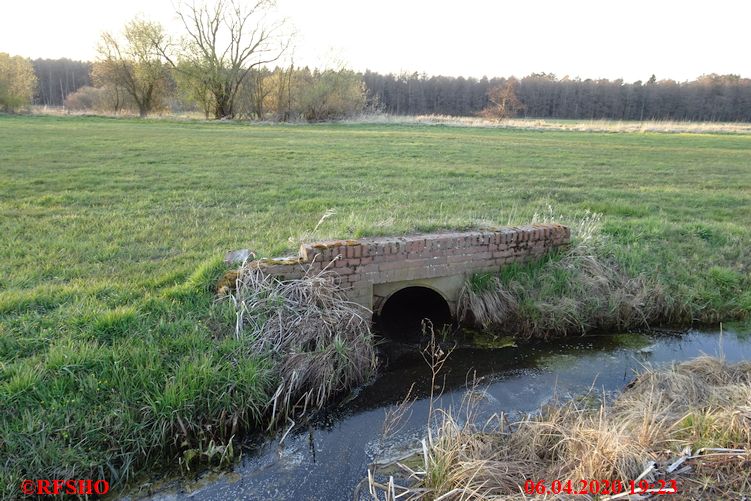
column 223, row 108
column 224, row 103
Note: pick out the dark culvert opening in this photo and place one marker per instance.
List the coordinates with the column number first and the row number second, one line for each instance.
column 401, row 317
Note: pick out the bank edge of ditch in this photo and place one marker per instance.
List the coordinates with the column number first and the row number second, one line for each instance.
column 187, row 387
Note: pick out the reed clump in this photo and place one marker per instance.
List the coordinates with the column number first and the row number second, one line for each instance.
column 690, row 422
column 575, row 291
column 320, row 342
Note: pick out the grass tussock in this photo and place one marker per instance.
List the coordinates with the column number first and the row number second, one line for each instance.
column 320, row 342
column 578, row 290
column 695, row 416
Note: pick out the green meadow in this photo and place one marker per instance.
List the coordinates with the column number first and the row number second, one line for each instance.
column 114, row 355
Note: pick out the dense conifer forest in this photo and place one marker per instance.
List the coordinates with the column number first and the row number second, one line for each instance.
column 711, row 97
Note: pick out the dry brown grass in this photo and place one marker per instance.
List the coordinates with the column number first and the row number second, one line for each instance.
column 697, row 411
column 665, row 126
column 321, row 342
column 600, row 125
column 575, row 292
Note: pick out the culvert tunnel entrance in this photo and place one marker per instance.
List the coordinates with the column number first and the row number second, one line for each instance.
column 402, row 314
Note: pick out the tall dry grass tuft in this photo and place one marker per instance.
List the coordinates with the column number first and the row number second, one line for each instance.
column 577, row 291
column 488, row 304
column 690, row 422
column 464, row 463
column 321, row 342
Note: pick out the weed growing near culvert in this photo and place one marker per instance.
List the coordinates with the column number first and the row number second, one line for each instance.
column 577, row 290
column 587, row 287
column 320, row 342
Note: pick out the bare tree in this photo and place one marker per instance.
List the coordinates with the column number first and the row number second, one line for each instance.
column 504, row 102
column 223, row 43
column 133, row 64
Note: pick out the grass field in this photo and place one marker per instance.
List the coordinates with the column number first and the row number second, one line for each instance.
column 112, row 354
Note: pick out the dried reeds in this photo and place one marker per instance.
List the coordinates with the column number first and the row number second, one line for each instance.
column 690, row 422
column 322, row 342
column 598, row 125
column 575, row 292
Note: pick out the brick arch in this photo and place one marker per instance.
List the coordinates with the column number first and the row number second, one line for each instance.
column 401, row 314
column 424, row 284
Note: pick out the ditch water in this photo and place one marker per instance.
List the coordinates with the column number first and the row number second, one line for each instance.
column 327, row 459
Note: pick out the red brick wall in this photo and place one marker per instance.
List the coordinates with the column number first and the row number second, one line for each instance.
column 388, row 259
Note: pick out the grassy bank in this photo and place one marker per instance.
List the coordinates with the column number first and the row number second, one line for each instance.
column 113, row 353
column 586, row 288
column 688, row 426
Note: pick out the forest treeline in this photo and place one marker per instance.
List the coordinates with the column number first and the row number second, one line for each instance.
column 57, row 78
column 225, row 62
column 708, row 98
column 301, row 93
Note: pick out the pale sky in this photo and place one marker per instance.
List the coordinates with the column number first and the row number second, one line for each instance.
column 587, row 38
